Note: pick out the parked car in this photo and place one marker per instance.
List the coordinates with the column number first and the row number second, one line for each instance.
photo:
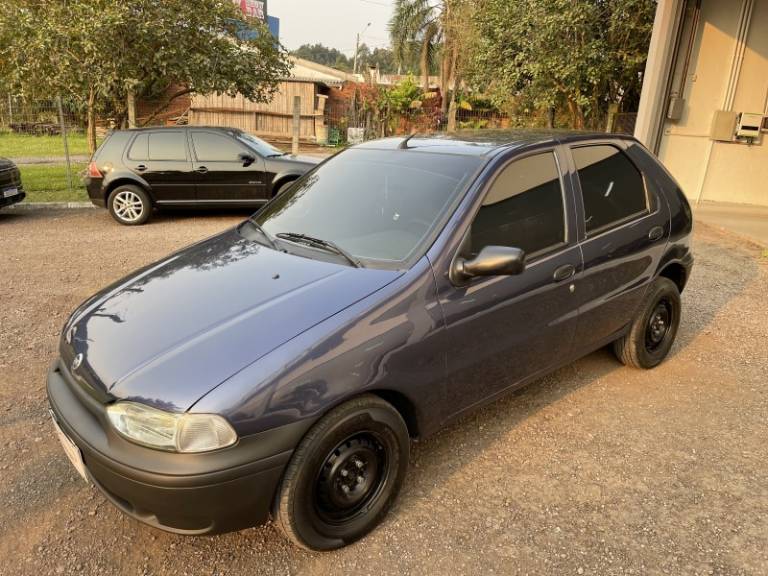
column 280, row 367
column 11, row 190
column 134, row 171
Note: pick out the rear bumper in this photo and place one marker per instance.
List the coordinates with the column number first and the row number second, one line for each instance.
column 194, row 494
column 95, row 190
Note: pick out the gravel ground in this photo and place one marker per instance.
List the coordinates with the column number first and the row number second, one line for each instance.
column 595, row 469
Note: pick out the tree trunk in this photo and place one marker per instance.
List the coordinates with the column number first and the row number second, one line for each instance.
column 445, row 79
column 456, row 78
column 424, row 64
column 577, row 114
column 91, row 127
column 551, row 117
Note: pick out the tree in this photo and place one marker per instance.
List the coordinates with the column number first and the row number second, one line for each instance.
column 94, row 52
column 580, row 54
column 437, row 29
column 325, row 56
column 417, row 23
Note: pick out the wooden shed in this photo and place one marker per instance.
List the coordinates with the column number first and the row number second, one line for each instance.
column 273, row 120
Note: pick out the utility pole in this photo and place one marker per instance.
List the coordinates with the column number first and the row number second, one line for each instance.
column 357, row 47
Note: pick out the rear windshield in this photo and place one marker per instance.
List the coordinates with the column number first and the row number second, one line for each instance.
column 111, row 150
column 378, row 205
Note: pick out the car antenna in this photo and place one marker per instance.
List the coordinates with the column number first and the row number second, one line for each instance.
column 404, row 144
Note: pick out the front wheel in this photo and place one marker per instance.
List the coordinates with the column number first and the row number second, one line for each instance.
column 653, row 330
column 344, row 476
column 130, row 205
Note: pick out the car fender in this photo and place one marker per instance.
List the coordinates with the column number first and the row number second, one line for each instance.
column 117, row 177
column 386, row 344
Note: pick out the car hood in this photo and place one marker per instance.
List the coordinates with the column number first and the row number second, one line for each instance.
column 173, row 331
column 5, row 163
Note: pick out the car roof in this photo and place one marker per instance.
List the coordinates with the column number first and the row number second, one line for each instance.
column 484, row 142
column 182, row 127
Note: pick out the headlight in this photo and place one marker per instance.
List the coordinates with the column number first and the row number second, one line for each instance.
column 169, row 431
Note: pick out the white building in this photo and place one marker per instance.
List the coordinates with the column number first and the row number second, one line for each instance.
column 704, row 104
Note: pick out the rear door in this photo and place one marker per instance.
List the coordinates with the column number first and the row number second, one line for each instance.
column 624, row 226
column 161, row 158
column 220, row 172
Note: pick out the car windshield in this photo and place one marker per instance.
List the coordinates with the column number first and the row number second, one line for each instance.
column 377, row 205
column 264, row 149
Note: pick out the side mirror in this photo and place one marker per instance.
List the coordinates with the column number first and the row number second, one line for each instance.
column 246, row 159
column 492, row 261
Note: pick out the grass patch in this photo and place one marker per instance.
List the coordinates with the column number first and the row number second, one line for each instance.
column 48, row 183
column 14, row 145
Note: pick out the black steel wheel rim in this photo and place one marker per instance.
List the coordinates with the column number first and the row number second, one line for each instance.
column 351, row 478
column 659, row 325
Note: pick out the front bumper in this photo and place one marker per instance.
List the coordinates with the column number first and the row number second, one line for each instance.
column 205, row 493
column 18, row 197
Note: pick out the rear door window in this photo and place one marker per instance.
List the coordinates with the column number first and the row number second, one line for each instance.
column 523, row 208
column 611, row 186
column 210, row 147
column 167, row 145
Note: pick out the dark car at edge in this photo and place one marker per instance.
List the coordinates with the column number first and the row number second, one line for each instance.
column 134, row 171
column 280, row 368
column 11, row 190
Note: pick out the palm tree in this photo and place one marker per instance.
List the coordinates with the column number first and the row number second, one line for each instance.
column 429, row 25
column 417, row 23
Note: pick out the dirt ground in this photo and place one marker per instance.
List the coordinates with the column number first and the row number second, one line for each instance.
column 596, row 469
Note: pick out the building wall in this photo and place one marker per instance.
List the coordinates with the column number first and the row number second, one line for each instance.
column 721, row 75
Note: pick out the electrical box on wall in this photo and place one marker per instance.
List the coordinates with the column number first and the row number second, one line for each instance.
column 749, row 125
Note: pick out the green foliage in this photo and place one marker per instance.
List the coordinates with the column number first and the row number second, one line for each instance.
column 381, row 58
column 416, row 31
column 581, row 54
column 94, row 51
column 405, row 95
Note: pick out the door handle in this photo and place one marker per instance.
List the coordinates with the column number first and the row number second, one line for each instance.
column 201, row 169
column 655, row 233
column 564, row 272
column 141, row 167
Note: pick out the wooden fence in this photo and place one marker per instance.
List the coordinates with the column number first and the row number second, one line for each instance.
column 271, row 120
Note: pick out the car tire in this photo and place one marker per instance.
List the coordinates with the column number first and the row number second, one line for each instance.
column 130, row 205
column 344, row 475
column 282, row 187
column 653, row 330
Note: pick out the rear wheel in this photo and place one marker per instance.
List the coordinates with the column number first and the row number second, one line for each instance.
column 344, row 476
column 130, row 205
column 282, row 187
column 653, row 331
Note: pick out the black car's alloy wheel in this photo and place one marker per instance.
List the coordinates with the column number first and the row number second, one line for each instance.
column 130, row 205
column 653, row 330
column 344, row 476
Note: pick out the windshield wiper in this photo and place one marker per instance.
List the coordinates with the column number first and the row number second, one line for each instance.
column 320, row 243
column 264, row 233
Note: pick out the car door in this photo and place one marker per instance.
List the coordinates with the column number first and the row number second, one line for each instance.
column 222, row 174
column 161, row 158
column 502, row 330
column 624, row 226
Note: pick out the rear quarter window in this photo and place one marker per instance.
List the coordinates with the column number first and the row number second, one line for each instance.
column 111, row 150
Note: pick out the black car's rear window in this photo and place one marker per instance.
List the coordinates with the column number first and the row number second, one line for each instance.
column 111, row 150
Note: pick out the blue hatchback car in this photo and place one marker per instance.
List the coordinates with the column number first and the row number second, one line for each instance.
column 281, row 367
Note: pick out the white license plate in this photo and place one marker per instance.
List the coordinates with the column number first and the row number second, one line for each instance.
column 8, row 192
column 71, row 450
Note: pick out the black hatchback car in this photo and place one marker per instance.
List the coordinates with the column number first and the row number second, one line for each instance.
column 134, row 171
column 280, row 367
column 11, row 190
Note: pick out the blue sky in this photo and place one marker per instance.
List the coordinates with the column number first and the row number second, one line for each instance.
column 332, row 22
